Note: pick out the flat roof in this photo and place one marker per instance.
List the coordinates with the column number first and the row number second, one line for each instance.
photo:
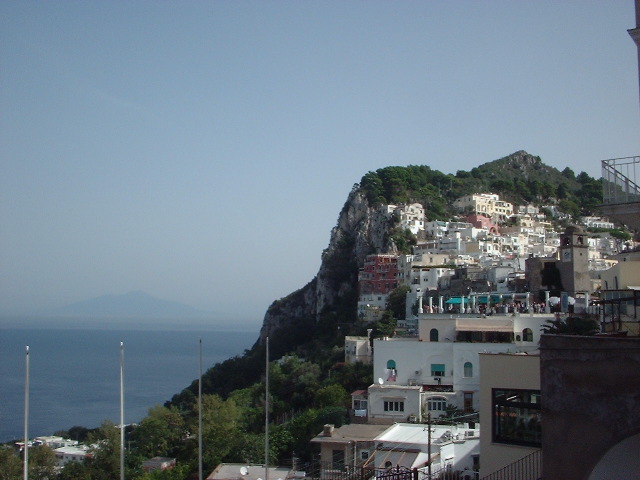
column 359, row 432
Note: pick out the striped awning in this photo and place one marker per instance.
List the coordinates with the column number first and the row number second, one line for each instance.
column 483, row 325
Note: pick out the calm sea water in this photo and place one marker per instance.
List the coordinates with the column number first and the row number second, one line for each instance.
column 74, row 371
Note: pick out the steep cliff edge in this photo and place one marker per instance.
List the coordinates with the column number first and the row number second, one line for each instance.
column 361, row 229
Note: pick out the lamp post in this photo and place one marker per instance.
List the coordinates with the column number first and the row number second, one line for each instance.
column 26, row 415
column 121, row 410
column 200, row 410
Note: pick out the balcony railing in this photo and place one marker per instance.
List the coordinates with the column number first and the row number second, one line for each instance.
column 620, row 179
column 527, row 468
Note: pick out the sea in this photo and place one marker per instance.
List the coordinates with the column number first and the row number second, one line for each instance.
column 75, row 365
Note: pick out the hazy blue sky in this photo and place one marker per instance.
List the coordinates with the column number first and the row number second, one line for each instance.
column 202, row 151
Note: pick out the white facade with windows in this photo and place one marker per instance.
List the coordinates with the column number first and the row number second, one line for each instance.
column 487, row 204
column 411, row 217
column 441, row 366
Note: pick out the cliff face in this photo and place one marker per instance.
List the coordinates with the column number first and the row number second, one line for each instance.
column 360, row 230
column 363, row 229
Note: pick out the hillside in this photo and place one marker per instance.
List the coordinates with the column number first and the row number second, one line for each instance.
column 314, row 319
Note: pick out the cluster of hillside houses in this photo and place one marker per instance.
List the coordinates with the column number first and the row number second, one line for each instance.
column 478, row 296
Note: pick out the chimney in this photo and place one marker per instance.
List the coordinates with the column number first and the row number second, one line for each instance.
column 328, row 430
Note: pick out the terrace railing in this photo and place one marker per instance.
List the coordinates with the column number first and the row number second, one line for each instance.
column 527, row 468
column 620, row 180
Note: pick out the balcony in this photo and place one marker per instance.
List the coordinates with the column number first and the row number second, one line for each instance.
column 621, row 190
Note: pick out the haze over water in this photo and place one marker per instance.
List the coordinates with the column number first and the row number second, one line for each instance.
column 75, row 371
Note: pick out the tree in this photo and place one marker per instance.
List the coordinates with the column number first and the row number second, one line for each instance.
column 571, row 326
column 75, row 471
column 570, row 207
column 397, row 301
column 10, row 464
column 562, row 191
column 158, row 432
column 333, row 395
column 387, row 324
column 42, row 463
column 219, row 429
column 568, row 173
column 104, row 459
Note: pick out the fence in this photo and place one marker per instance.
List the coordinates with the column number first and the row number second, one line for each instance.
column 620, row 179
column 527, row 468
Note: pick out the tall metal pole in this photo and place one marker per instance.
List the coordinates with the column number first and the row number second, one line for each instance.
column 429, row 442
column 26, row 415
column 266, row 415
column 200, row 410
column 121, row 410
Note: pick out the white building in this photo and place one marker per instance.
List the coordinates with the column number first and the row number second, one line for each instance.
column 596, row 222
column 357, row 349
column 411, row 217
column 453, row 448
column 414, row 376
column 54, row 442
column 435, row 229
column 371, row 306
column 68, row 454
column 487, row 204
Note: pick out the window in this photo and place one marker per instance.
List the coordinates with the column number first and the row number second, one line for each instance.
column 393, row 406
column 360, row 404
column 527, row 335
column 468, row 369
column 468, row 401
column 437, row 404
column 437, row 369
column 337, row 458
column 516, row 417
column 433, row 335
column 392, row 372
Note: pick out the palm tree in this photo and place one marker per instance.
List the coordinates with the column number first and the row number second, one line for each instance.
column 571, row 326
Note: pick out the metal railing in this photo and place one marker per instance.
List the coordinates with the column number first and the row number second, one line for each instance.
column 620, row 179
column 527, row 468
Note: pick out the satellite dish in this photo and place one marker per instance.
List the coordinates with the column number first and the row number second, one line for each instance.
column 380, row 381
column 244, row 471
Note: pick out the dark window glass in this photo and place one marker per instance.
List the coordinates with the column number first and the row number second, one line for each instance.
column 516, row 417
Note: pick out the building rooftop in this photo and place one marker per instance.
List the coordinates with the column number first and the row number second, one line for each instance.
column 355, row 432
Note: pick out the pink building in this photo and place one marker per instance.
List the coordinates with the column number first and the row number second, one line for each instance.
column 480, row 221
column 378, row 275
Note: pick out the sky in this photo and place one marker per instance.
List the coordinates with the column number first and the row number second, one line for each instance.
column 201, row 151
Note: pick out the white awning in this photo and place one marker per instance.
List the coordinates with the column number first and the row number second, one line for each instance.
column 483, row 325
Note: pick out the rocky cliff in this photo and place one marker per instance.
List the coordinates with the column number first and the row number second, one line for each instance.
column 361, row 229
column 364, row 228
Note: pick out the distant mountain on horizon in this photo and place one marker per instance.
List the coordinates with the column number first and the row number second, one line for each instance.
column 131, row 304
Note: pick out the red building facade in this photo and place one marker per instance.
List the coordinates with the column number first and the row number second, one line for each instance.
column 378, row 275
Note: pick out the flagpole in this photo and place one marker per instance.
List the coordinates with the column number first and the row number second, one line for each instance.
column 26, row 414
column 200, row 410
column 121, row 410
column 266, row 422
